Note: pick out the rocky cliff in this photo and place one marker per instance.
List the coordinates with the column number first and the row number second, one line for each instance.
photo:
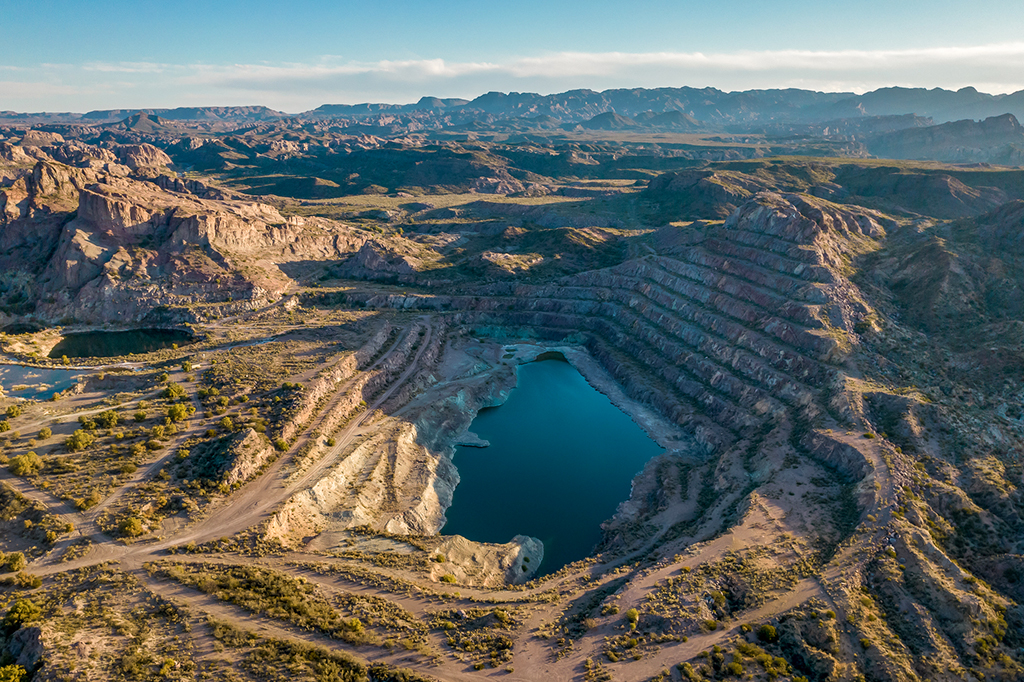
column 104, row 243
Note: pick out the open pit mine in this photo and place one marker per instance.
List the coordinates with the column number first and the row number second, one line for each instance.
column 343, row 396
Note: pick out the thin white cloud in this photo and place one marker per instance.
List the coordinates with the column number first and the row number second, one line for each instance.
column 129, row 67
column 1005, row 56
column 997, row 68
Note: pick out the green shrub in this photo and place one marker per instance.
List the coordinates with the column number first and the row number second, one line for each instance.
column 632, row 616
column 140, row 416
column 79, row 441
column 272, row 593
column 12, row 673
column 28, row 581
column 179, row 412
column 28, row 464
column 174, row 392
column 448, row 578
column 24, row 611
column 767, row 633
column 131, row 527
column 14, row 411
column 16, row 562
column 5, row 426
column 45, row 433
column 108, row 419
column 89, row 502
column 281, row 444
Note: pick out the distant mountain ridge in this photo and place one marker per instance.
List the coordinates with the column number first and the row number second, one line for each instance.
column 696, row 106
column 997, row 139
column 227, row 114
column 714, row 106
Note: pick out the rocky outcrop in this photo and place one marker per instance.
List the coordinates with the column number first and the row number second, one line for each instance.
column 842, row 457
column 378, row 261
column 33, row 209
column 39, row 138
column 248, row 452
column 26, row 647
column 137, row 156
column 14, row 154
column 488, row 565
column 230, row 460
column 694, row 194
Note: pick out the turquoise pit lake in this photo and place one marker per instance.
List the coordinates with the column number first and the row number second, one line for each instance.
column 561, row 459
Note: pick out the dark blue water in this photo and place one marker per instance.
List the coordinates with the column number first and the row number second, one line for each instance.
column 112, row 344
column 561, row 459
column 41, row 383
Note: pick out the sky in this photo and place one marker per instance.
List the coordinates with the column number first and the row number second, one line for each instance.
column 294, row 55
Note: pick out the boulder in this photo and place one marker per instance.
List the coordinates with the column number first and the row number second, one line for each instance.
column 26, row 647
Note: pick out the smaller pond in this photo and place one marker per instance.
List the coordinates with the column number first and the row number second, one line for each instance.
column 112, row 344
column 22, row 328
column 561, row 459
column 35, row 383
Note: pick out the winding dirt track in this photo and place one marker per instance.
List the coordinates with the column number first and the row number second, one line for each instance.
column 254, row 503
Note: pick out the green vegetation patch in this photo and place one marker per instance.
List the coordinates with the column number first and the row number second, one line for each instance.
column 270, row 593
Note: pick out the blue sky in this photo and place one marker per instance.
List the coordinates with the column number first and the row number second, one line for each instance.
column 76, row 56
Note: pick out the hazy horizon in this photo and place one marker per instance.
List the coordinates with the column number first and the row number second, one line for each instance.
column 106, row 55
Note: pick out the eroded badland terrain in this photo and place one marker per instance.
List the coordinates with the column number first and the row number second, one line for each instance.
column 827, row 345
